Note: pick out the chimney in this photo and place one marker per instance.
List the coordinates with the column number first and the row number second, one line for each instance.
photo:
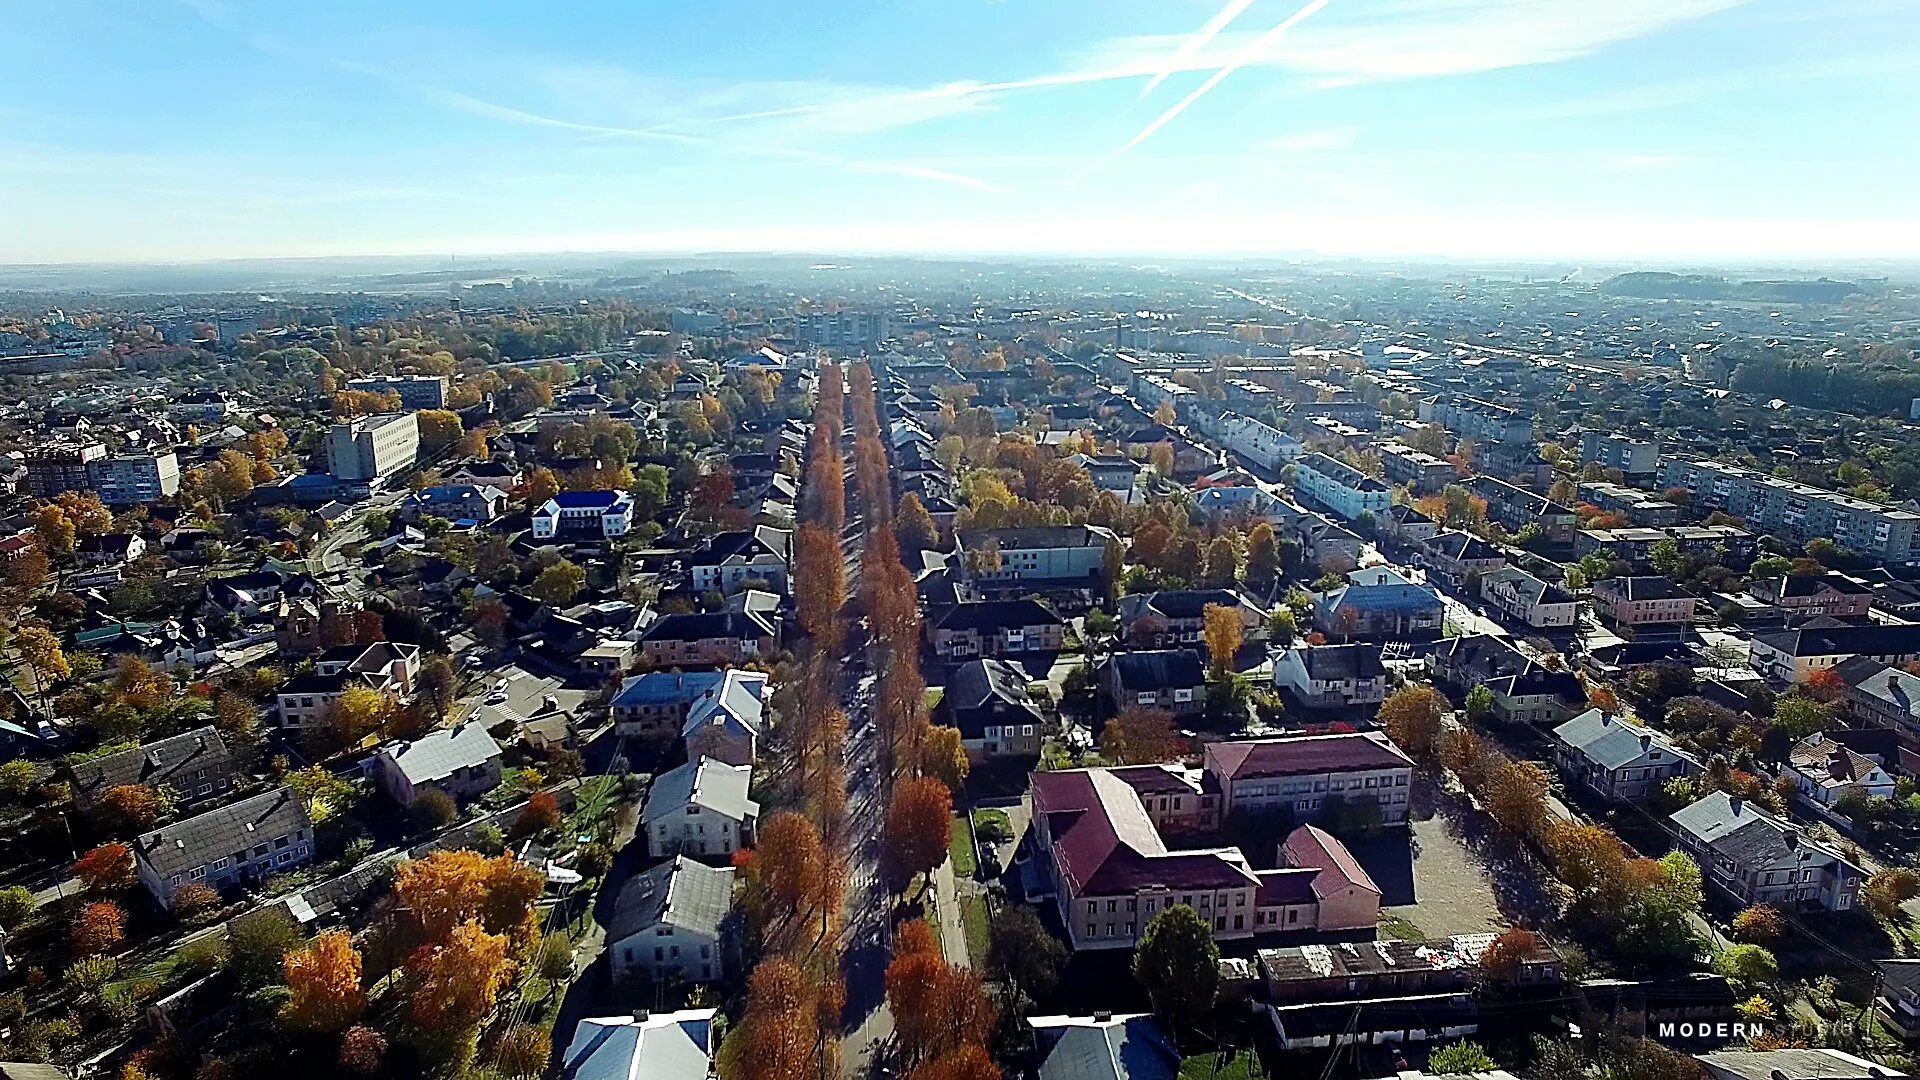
column 1646, row 742
column 1103, row 1018
column 640, row 1016
column 1792, row 837
column 1736, row 804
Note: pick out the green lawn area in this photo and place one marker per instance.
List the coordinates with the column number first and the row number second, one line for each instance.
column 973, row 919
column 1396, row 928
column 960, row 846
column 990, row 821
column 1244, row 1066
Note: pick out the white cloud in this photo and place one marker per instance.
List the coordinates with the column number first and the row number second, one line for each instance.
column 1398, row 39
column 1313, row 142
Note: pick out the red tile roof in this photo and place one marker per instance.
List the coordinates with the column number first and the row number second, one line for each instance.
column 1308, row 755
column 1105, row 844
column 1312, row 847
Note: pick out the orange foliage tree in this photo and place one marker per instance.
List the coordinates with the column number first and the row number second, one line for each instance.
column 99, row 926
column 1140, row 736
column 323, row 983
column 107, row 868
column 917, row 829
column 453, row 985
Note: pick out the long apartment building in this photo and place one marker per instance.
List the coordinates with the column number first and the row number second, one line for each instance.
column 1796, row 511
column 414, row 391
column 373, row 447
column 1340, row 487
column 1477, row 419
column 135, row 477
column 1261, row 443
column 1421, row 472
column 1635, row 459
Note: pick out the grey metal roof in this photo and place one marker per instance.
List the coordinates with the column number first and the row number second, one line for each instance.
column 1612, row 741
column 1743, row 832
column 439, row 754
column 1119, row 1047
column 1798, row 1064
column 712, row 785
column 680, row 892
column 155, row 763
column 184, row 845
column 664, row 1046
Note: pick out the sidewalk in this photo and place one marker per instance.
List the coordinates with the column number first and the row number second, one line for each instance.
column 946, row 908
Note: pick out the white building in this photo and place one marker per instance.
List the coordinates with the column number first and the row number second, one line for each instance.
column 670, row 921
column 1340, row 487
column 414, row 391
column 594, row 515
column 657, row 1046
column 1258, row 442
column 373, row 447
column 134, row 478
column 462, row 761
column 700, row 809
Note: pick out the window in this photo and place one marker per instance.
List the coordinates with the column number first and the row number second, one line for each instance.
column 1144, row 699
column 1113, row 906
column 659, row 953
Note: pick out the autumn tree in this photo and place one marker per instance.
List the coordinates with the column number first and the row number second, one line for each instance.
column 1516, row 795
column 1508, row 952
column 452, row 985
column 134, row 808
column 944, row 758
column 542, row 485
column 358, row 712
column 914, row 526
column 541, row 815
column 523, row 1051
column 1759, row 924
column 778, row 1031
column 711, row 495
column 915, row 836
column 323, row 981
column 1886, row 890
column 1223, row 630
column 98, row 927
column 362, row 1050
column 448, row 888
column 44, row 657
column 439, row 429
column 1414, row 718
column 107, row 868
column 54, row 529
column 1179, row 964
column 1141, row 736
column 819, row 580
column 937, row 1008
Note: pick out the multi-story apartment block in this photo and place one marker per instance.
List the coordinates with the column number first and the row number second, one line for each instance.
column 1639, row 507
column 584, row 515
column 1617, row 759
column 1761, row 859
column 1732, row 547
column 1261, row 443
column 1635, row 459
column 1796, row 511
column 1516, row 508
column 1477, row 419
column 373, row 447
column 415, row 391
column 1421, row 472
column 61, row 466
column 1644, row 601
column 840, row 328
column 1154, row 388
column 1340, row 487
column 1529, row 599
column 1063, row 554
column 136, row 477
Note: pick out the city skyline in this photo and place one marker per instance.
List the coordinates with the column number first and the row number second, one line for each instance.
column 1693, row 131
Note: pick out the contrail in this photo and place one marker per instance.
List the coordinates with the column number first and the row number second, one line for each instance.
column 1201, row 38
column 1246, row 56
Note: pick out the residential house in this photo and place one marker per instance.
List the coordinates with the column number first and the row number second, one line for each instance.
column 1300, row 774
column 729, row 561
column 195, row 767
column 1617, row 759
column 1048, row 555
column 1790, row 656
column 727, row 720
column 1516, row 508
column 1524, row 690
column 110, row 549
column 1534, row 602
column 654, row 705
column 657, row 1046
column 1324, row 544
column 1339, row 487
column 584, row 515
column 1832, row 594
column 1261, row 443
column 1103, row 1046
column 304, row 703
column 462, row 762
column 1010, row 627
column 1178, row 617
column 1119, row 476
column 1332, row 676
column 609, row 659
column 672, row 922
column 1644, row 601
column 1169, row 679
column 988, row 702
column 701, row 809
column 240, row 843
column 1404, row 525
column 1883, row 696
column 1899, row 996
column 1826, row 771
column 456, row 503
column 1761, row 859
column 1459, row 556
column 717, row 637
column 1377, row 603
column 1421, row 473
column 494, row 473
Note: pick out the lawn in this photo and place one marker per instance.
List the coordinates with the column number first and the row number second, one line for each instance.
column 973, row 919
column 988, row 821
column 1245, row 1065
column 960, row 846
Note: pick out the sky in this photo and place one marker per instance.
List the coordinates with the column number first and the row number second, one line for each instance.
column 1658, row 130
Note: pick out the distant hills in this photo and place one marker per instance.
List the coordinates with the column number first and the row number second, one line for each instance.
column 1660, row 285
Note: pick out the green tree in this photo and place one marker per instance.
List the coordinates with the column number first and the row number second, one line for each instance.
column 558, row 584
column 1749, row 967
column 1456, row 1059
column 17, row 778
column 650, row 489
column 1022, row 953
column 1479, row 702
column 1179, row 964
column 1665, row 556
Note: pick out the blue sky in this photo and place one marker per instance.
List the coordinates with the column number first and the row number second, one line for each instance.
column 1690, row 130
